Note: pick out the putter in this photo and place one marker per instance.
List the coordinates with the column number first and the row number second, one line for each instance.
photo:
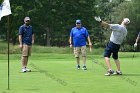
column 134, row 53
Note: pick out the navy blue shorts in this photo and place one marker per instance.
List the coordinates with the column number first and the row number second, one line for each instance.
column 113, row 49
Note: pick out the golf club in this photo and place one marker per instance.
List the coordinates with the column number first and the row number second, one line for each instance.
column 134, row 49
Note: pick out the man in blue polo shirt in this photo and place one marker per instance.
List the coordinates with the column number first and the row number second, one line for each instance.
column 137, row 39
column 78, row 37
column 26, row 39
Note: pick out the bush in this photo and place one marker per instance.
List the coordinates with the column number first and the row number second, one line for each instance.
column 127, row 48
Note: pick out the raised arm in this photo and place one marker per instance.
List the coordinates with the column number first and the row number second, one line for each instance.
column 103, row 23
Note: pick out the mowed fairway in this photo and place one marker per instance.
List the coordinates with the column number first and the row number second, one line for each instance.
column 57, row 73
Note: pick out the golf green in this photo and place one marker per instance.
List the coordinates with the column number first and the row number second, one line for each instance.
column 57, row 73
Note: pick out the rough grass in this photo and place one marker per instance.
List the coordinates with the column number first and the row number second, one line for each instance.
column 42, row 49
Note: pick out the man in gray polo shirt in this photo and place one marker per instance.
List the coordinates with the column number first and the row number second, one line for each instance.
column 118, row 34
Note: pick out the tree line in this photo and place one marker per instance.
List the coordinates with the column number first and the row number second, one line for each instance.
column 52, row 20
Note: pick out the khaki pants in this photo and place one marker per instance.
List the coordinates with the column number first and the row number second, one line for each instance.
column 78, row 50
column 26, row 51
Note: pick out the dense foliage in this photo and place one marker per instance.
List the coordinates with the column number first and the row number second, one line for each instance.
column 52, row 20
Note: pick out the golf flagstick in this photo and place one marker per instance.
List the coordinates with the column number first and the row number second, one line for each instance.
column 6, row 11
column 8, row 38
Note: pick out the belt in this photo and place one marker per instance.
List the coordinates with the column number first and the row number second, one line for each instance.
column 114, row 43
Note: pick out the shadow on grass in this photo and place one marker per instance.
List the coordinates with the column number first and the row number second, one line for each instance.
column 131, row 74
column 33, row 72
column 31, row 89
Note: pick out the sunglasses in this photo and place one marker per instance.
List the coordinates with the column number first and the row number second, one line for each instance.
column 78, row 23
column 28, row 21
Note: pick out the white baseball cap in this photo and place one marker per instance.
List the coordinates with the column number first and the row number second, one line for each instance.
column 26, row 19
column 126, row 20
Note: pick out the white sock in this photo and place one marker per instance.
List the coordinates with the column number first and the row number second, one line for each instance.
column 118, row 71
column 23, row 67
column 78, row 64
column 110, row 69
column 84, row 65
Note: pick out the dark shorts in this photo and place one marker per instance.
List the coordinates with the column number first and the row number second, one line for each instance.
column 113, row 49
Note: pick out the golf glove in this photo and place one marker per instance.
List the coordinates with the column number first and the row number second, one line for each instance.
column 97, row 18
column 135, row 45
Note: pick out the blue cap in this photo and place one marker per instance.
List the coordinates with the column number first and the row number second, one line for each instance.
column 78, row 21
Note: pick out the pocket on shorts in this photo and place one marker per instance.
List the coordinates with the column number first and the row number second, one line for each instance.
column 83, row 50
column 25, row 50
column 77, row 51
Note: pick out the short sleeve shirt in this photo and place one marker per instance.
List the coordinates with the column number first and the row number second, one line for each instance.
column 26, row 32
column 79, row 36
column 118, row 34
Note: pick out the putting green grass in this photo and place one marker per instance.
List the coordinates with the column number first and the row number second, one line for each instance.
column 57, row 73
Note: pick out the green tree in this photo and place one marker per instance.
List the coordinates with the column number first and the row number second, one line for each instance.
column 128, row 9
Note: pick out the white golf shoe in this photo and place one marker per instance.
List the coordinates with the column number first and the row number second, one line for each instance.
column 28, row 70
column 23, row 70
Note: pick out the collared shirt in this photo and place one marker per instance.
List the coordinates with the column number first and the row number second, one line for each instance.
column 79, row 36
column 118, row 34
column 26, row 32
